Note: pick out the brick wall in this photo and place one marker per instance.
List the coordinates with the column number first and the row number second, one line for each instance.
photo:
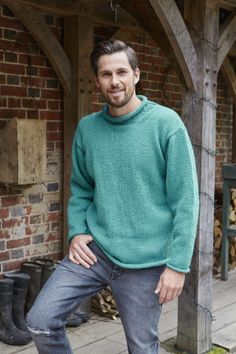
column 31, row 218
column 224, row 124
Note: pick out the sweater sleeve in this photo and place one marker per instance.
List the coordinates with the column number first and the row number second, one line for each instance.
column 82, row 190
column 183, row 199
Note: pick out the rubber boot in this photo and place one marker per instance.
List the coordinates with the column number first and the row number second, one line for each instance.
column 47, row 267
column 9, row 333
column 20, row 289
column 34, row 271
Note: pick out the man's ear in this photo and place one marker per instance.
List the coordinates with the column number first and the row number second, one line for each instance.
column 96, row 80
column 136, row 75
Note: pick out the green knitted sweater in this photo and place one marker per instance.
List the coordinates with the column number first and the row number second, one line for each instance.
column 134, row 187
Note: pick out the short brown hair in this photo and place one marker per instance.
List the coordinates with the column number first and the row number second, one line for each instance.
column 111, row 47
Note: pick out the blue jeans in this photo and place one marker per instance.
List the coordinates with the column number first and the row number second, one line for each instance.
column 71, row 284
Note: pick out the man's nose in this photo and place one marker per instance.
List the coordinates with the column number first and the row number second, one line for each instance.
column 114, row 80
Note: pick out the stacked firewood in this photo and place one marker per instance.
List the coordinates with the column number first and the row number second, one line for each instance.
column 218, row 235
column 104, row 304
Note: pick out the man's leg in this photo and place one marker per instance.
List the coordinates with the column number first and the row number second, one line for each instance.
column 139, row 307
column 68, row 287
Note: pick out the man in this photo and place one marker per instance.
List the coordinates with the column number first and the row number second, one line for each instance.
column 132, row 214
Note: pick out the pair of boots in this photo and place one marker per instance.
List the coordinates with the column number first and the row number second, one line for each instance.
column 39, row 271
column 13, row 290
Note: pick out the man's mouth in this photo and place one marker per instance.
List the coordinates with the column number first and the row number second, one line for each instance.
column 115, row 91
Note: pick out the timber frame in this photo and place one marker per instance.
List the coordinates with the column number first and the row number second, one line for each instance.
column 199, row 48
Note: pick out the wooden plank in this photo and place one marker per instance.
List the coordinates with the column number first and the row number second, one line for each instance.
column 48, row 42
column 224, row 297
column 78, row 39
column 178, row 35
column 226, row 41
column 223, row 317
column 226, row 338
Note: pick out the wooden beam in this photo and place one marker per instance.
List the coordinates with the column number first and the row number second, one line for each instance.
column 199, row 114
column 56, row 7
column 230, row 77
column 177, row 32
column 234, row 135
column 232, row 52
column 153, row 26
column 78, row 39
column 226, row 41
column 227, row 4
column 48, row 42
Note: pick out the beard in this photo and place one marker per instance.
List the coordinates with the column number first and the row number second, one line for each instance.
column 119, row 100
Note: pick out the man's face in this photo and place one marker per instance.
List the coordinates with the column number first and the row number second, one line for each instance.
column 116, row 79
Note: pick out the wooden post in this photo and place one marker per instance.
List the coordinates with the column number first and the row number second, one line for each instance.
column 199, row 113
column 78, row 44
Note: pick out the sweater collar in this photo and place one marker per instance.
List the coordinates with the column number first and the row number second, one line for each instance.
column 126, row 117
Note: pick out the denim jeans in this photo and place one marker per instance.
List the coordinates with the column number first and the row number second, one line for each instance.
column 71, row 284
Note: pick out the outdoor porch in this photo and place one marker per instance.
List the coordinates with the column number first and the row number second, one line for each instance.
column 104, row 336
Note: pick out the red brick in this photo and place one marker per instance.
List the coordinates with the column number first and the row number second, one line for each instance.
column 11, row 113
column 14, row 91
column 18, row 243
column 14, row 102
column 2, row 79
column 13, row 68
column 54, row 136
column 32, row 114
column 4, row 234
column 46, row 72
column 7, row 224
column 33, row 103
column 28, row 231
column 52, row 217
column 55, row 94
column 10, row 23
column 4, row 213
column 13, row 265
column 52, row 126
column 49, row 115
column 4, row 256
column 7, row 201
column 33, row 81
column 54, row 105
column 59, row 145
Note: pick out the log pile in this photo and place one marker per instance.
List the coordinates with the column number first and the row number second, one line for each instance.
column 218, row 235
column 104, row 304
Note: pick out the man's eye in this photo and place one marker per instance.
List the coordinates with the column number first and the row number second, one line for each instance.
column 122, row 72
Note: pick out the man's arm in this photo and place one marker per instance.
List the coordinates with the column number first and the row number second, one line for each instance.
column 82, row 191
column 183, row 200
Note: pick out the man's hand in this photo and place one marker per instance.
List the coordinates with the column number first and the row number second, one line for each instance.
column 80, row 253
column 170, row 285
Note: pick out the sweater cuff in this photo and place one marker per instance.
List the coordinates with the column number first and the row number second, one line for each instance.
column 178, row 269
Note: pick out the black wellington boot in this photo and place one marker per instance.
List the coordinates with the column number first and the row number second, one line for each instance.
column 9, row 333
column 20, row 289
column 34, row 271
column 47, row 266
